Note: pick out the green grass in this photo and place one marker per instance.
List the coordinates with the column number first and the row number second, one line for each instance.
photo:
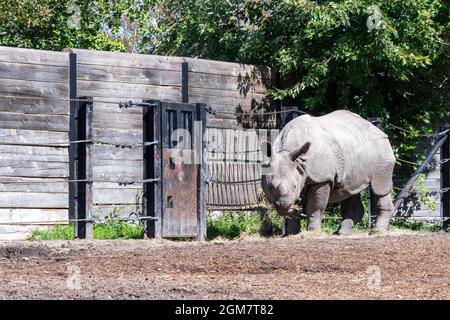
column 229, row 225
column 102, row 231
column 56, row 233
column 415, row 226
column 232, row 224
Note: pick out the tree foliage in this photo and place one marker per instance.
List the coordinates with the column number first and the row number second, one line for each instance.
column 115, row 25
column 385, row 58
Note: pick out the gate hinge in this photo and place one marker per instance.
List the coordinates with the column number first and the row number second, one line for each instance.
column 210, row 110
column 129, row 104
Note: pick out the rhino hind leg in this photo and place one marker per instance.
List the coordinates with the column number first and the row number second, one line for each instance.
column 381, row 186
column 316, row 203
column 353, row 212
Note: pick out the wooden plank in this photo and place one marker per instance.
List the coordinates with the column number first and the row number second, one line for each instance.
column 107, row 152
column 33, row 200
column 26, row 153
column 112, row 170
column 243, row 85
column 14, row 168
column 128, row 60
column 34, row 106
column 118, row 136
column 235, row 105
column 227, row 97
column 34, row 72
column 32, row 137
column 39, row 185
column 124, row 211
column 228, row 68
column 116, row 74
column 116, row 196
column 33, row 215
column 113, row 108
column 10, row 120
column 107, row 90
column 33, row 88
column 115, row 185
column 117, row 121
column 32, row 56
column 18, row 232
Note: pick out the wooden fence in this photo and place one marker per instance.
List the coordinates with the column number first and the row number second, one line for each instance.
column 29, row 128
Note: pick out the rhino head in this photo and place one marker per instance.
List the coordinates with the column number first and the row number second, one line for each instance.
column 285, row 178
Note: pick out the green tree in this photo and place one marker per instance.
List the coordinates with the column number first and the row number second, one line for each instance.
column 55, row 25
column 384, row 58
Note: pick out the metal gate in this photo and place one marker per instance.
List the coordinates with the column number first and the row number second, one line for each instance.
column 176, row 200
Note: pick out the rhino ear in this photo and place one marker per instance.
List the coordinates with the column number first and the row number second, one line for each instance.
column 294, row 155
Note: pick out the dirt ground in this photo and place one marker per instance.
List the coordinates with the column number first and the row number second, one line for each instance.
column 411, row 266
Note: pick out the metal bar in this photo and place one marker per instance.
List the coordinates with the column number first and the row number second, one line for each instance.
column 126, row 183
column 130, row 104
column 410, row 184
column 85, row 171
column 445, row 181
column 200, row 146
column 185, row 82
column 73, row 136
column 152, row 169
column 75, row 220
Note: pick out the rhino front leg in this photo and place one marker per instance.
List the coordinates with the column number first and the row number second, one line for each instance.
column 316, row 203
column 384, row 210
column 353, row 212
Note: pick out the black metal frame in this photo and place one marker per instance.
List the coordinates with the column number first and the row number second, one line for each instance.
column 185, row 82
column 81, row 170
column 152, row 199
column 445, row 182
column 154, row 117
column 201, row 176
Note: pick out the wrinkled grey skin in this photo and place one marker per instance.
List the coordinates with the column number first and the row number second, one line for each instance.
column 331, row 159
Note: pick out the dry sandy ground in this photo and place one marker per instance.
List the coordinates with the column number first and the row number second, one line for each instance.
column 411, row 266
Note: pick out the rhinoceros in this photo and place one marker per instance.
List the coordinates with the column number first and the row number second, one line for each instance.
column 331, row 159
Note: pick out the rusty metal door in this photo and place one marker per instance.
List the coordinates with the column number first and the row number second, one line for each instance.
column 179, row 169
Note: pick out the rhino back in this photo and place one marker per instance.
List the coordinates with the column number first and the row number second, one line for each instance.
column 364, row 147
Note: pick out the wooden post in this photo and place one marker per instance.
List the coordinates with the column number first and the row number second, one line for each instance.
column 152, row 199
column 84, row 228
column 445, row 182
